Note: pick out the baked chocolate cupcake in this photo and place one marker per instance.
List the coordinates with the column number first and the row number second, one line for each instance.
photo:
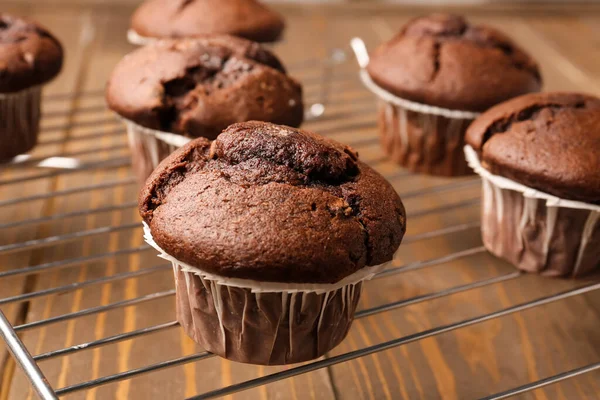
column 29, row 57
column 174, row 90
column 539, row 157
column 271, row 231
column 163, row 19
column 433, row 78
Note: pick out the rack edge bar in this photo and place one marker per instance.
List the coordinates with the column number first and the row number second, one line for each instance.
column 23, row 358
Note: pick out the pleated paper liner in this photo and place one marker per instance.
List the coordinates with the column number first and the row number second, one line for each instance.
column 149, row 147
column 264, row 323
column 19, row 121
column 423, row 138
column 536, row 231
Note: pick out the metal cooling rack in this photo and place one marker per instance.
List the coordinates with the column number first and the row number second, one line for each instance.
column 325, row 87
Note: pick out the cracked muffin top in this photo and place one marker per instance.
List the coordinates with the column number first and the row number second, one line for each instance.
column 188, row 18
column 274, row 204
column 198, row 87
column 547, row 141
column 29, row 54
column 442, row 60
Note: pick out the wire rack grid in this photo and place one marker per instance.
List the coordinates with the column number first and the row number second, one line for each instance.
column 75, row 236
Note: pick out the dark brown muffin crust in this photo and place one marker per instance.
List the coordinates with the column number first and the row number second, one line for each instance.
column 272, row 203
column 188, row 18
column 29, row 54
column 442, row 60
column 547, row 141
column 198, row 87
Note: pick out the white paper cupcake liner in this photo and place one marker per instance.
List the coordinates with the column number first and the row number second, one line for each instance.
column 149, row 147
column 424, row 143
column 262, row 322
column 420, row 137
column 19, row 121
column 136, row 39
column 268, row 287
column 536, row 231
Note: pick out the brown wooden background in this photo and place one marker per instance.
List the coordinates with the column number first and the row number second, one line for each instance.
column 468, row 363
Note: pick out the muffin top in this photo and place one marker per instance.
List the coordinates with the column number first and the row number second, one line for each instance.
column 273, row 204
column 547, row 141
column 197, row 87
column 185, row 18
column 29, row 54
column 442, row 60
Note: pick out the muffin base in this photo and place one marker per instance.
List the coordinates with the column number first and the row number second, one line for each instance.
column 423, row 138
column 19, row 122
column 423, row 143
column 149, row 147
column 265, row 323
column 536, row 237
column 537, row 232
column 263, row 328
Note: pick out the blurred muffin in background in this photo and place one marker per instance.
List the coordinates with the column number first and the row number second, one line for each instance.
column 249, row 19
column 30, row 57
column 172, row 90
column 434, row 77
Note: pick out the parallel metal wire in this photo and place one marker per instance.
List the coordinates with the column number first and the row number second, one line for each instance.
column 343, row 81
column 385, row 345
column 107, row 340
column 56, row 265
column 66, row 192
column 82, row 137
column 116, row 162
column 95, row 310
column 79, row 285
column 428, row 263
column 36, row 243
column 35, row 160
column 80, row 213
column 360, row 314
column 67, row 288
column 544, row 382
column 99, row 309
column 134, row 372
column 80, row 124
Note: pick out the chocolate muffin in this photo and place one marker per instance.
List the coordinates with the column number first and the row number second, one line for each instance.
column 29, row 57
column 446, row 71
column 543, row 213
column 190, row 18
column 196, row 88
column 271, row 231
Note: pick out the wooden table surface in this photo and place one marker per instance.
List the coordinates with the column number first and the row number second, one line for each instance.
column 471, row 362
